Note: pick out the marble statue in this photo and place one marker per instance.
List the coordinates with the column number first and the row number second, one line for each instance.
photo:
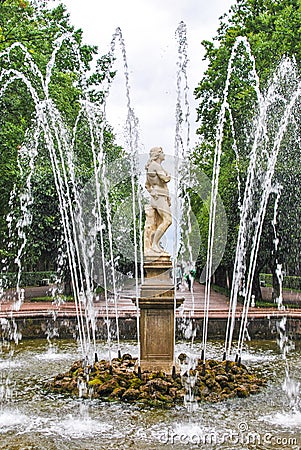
column 158, row 214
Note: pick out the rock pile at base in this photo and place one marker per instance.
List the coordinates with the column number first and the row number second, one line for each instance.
column 217, row 381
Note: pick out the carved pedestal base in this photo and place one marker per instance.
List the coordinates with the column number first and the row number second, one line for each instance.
column 157, row 320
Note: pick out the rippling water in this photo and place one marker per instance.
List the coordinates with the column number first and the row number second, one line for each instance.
column 32, row 419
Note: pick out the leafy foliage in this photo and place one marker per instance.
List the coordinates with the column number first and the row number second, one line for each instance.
column 272, row 29
column 36, row 29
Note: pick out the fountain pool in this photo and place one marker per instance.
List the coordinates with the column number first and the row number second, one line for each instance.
column 32, row 418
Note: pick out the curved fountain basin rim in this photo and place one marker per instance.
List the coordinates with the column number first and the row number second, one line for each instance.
column 196, row 313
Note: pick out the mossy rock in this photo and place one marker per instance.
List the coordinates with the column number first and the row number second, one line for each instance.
column 117, row 393
column 242, row 391
column 135, row 383
column 119, row 382
column 131, row 394
column 106, row 388
column 158, row 384
column 95, row 382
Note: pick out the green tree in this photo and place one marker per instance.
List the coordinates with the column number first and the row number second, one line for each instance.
column 36, row 31
column 272, row 29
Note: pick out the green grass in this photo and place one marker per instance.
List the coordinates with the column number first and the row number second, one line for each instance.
column 221, row 290
column 50, row 299
column 265, row 304
column 270, row 304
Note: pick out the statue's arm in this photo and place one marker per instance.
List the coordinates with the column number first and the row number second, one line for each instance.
column 148, row 186
column 161, row 173
column 164, row 176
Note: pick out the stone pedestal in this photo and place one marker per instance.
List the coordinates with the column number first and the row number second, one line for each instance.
column 157, row 319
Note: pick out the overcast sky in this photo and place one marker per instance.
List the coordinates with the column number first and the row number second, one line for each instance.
column 148, row 28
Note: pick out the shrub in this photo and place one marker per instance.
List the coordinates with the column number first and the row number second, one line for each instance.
column 9, row 279
column 288, row 281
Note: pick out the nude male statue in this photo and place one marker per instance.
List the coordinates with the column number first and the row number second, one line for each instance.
column 158, row 214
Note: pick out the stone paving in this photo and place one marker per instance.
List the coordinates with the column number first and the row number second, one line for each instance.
column 193, row 306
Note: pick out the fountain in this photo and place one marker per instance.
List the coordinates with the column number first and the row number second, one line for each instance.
column 162, row 372
column 154, row 378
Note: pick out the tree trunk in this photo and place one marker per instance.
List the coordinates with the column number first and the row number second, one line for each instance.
column 67, row 283
column 276, row 286
column 256, row 289
column 275, row 280
column 221, row 277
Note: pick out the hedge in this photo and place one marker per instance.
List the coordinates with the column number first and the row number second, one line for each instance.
column 9, row 279
column 287, row 283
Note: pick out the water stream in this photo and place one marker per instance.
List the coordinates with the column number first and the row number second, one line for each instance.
column 86, row 225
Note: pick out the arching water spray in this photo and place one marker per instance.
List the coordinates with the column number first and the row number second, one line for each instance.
column 266, row 190
column 182, row 207
column 279, row 274
column 132, row 144
column 59, row 143
column 215, row 183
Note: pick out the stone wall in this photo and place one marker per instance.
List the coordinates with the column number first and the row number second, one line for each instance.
column 41, row 327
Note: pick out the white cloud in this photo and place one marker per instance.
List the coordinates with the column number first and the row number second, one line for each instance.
column 148, row 28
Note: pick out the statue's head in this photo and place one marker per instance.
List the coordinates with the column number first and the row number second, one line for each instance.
column 155, row 152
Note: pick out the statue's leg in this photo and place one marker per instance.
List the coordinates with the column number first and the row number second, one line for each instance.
column 166, row 220
column 156, row 241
